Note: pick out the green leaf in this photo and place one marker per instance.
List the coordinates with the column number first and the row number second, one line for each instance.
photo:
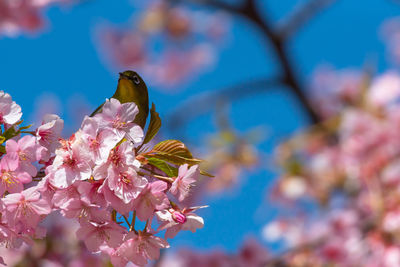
column 173, row 151
column 3, row 149
column 154, row 125
column 174, row 159
column 173, row 147
column 206, row 173
column 163, row 166
column 10, row 133
column 25, row 127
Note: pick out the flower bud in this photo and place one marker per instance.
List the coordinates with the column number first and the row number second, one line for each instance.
column 179, row 217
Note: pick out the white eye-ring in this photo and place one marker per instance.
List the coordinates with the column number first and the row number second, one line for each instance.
column 136, row 79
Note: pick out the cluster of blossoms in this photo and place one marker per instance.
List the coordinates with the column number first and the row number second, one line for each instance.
column 349, row 167
column 102, row 174
column 58, row 248
column 166, row 42
column 22, row 15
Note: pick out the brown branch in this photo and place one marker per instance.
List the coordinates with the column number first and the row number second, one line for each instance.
column 39, row 176
column 249, row 11
column 281, row 52
column 213, row 4
column 301, row 16
column 220, row 5
column 203, row 103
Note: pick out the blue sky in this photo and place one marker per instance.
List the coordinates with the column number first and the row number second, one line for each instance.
column 63, row 61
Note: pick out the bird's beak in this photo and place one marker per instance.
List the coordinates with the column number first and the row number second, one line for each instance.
column 121, row 75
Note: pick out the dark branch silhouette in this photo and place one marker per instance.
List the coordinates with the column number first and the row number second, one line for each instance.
column 201, row 104
column 302, row 15
column 277, row 37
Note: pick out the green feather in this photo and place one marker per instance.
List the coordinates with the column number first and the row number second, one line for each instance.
column 132, row 88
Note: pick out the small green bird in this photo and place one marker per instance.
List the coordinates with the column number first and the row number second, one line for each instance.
column 132, row 88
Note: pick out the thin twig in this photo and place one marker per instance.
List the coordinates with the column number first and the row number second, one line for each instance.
column 208, row 101
column 132, row 226
column 301, row 16
column 159, row 177
column 39, row 175
column 220, row 5
column 164, row 178
column 213, row 4
column 145, row 227
column 127, row 221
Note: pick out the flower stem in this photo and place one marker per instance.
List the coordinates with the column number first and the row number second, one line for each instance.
column 132, row 225
column 127, row 221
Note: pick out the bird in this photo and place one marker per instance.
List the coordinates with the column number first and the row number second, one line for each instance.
column 131, row 88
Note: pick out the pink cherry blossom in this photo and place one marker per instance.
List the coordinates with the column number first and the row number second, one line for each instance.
column 101, row 231
column 252, row 253
column 192, row 38
column 27, row 152
column 116, row 258
column 126, row 183
column 22, row 16
column 91, row 192
column 189, row 257
column 82, row 210
column 98, row 141
column 5, row 232
column 130, row 47
column 391, row 221
column 115, row 202
column 139, row 248
column 119, row 117
column 175, row 220
column 332, row 89
column 385, row 89
column 178, row 65
column 10, row 112
column 49, row 132
column 93, row 178
column 62, row 197
column 46, row 189
column 152, row 198
column 12, row 180
column 70, row 165
column 182, row 183
column 9, row 237
column 17, row 17
column 120, row 157
column 26, row 207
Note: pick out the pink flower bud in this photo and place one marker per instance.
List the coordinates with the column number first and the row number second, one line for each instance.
column 179, row 217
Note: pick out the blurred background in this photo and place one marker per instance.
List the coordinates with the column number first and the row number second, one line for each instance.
column 235, row 80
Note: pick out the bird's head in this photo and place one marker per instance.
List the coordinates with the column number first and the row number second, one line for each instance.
column 132, row 88
column 132, row 76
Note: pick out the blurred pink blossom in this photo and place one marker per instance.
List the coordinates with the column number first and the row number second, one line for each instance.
column 22, row 15
column 169, row 44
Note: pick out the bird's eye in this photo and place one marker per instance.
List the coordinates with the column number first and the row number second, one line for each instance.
column 136, row 79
